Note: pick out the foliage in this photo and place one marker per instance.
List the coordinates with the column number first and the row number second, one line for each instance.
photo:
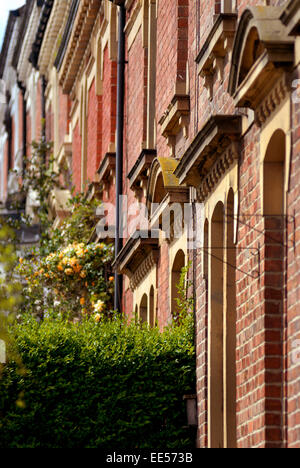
column 183, row 301
column 78, row 226
column 106, row 385
column 10, row 290
column 65, row 273
column 75, row 281
column 41, row 178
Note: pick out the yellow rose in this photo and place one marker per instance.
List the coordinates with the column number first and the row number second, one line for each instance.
column 69, row 271
column 83, row 274
column 98, row 307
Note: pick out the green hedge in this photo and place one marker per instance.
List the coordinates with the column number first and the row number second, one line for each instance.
column 109, row 385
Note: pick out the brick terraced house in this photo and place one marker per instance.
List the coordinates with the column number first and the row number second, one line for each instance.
column 191, row 109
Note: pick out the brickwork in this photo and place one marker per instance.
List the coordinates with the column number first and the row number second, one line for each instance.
column 109, row 102
column 267, row 246
column 38, row 111
column 63, row 119
column 94, row 132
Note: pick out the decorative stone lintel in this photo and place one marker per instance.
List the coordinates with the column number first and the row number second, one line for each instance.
column 134, row 252
column 262, row 52
column 176, row 117
column 106, row 171
column 223, row 163
column 213, row 139
column 176, row 195
column 261, row 80
column 276, row 96
column 145, row 267
column 211, row 58
column 139, row 174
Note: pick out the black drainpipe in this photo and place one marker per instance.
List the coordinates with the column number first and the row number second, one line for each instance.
column 24, row 125
column 119, row 149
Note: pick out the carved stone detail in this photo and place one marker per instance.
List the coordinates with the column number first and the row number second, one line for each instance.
column 143, row 269
column 272, row 101
column 211, row 59
column 223, row 163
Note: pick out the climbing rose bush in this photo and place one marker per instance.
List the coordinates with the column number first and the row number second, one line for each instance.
column 77, row 276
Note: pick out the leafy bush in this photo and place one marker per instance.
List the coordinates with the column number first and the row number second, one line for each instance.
column 77, row 280
column 97, row 385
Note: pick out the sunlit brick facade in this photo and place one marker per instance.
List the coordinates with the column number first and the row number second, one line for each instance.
column 211, row 122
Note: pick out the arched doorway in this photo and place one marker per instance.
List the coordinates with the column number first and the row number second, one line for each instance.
column 230, row 328
column 215, row 327
column 144, row 309
column 178, row 265
column 151, row 308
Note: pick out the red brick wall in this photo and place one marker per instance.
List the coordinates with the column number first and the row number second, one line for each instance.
column 293, row 289
column 136, row 101
column 268, row 379
column 5, row 171
column 94, row 132
column 267, row 324
column 49, row 124
column 172, row 54
column 20, row 120
column 64, row 110
column 28, row 136
column 109, row 100
column 38, row 111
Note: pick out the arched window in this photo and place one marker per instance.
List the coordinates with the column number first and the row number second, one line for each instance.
column 178, row 265
column 144, row 309
column 151, row 306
